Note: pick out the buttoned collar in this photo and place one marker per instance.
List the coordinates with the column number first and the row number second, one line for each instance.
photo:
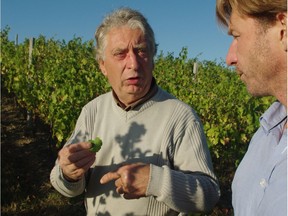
column 275, row 115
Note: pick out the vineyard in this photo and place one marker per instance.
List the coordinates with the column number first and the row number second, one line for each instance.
column 60, row 77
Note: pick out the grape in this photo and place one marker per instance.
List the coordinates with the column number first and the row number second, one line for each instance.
column 96, row 144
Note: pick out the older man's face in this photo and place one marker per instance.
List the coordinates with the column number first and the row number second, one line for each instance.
column 128, row 63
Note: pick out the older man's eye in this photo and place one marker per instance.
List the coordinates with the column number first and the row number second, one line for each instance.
column 142, row 52
column 119, row 54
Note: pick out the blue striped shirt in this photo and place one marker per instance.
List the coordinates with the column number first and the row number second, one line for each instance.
column 259, row 187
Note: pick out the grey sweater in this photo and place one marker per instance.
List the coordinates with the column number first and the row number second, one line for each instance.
column 164, row 132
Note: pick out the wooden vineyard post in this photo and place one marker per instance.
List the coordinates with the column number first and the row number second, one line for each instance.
column 195, row 69
column 29, row 112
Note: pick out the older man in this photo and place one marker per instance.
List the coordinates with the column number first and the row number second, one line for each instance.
column 154, row 159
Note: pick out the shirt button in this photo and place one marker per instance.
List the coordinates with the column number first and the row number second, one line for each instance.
column 263, row 183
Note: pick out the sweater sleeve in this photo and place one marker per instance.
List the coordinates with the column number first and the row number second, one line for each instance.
column 66, row 188
column 190, row 186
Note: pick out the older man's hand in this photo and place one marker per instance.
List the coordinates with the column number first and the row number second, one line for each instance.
column 75, row 160
column 130, row 180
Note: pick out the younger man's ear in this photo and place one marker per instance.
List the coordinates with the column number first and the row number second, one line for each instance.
column 282, row 17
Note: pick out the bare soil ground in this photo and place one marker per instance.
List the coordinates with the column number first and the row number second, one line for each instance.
column 27, row 157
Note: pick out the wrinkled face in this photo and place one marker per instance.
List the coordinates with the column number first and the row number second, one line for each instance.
column 256, row 54
column 128, row 63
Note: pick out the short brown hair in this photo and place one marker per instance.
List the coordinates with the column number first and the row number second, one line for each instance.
column 264, row 11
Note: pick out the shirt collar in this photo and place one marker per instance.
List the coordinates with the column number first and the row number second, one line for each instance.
column 275, row 115
column 152, row 91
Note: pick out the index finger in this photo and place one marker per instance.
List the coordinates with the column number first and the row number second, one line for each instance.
column 79, row 146
column 109, row 177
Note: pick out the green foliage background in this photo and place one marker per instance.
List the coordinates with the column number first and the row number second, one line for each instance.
column 64, row 76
